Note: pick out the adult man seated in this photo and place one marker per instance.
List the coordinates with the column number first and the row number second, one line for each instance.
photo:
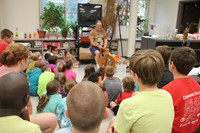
column 98, row 41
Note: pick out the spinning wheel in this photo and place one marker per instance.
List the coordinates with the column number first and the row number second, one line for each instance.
column 106, row 59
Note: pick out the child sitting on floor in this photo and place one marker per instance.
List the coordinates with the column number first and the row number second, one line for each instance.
column 151, row 103
column 33, row 77
column 102, row 71
column 62, row 79
column 44, row 79
column 68, row 56
column 14, row 99
column 52, row 64
column 185, row 90
column 167, row 76
column 64, row 121
column 34, row 57
column 82, row 110
column 69, row 73
column 50, row 101
column 112, row 84
column 89, row 69
column 128, row 87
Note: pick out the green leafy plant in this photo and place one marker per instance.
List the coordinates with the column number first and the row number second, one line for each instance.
column 65, row 28
column 72, row 25
column 142, row 26
column 53, row 17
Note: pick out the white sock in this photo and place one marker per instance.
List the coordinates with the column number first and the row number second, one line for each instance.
column 97, row 66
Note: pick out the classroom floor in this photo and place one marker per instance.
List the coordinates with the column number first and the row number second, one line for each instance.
column 120, row 73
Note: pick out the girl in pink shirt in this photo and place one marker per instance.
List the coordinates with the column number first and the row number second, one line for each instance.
column 69, row 74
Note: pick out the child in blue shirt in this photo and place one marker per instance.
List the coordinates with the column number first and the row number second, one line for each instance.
column 64, row 121
column 50, row 101
column 33, row 77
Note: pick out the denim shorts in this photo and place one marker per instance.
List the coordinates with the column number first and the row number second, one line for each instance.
column 93, row 49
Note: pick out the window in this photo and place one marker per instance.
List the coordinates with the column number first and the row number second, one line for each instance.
column 70, row 5
column 142, row 19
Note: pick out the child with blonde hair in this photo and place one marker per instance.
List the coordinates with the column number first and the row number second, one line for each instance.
column 34, row 57
column 112, row 84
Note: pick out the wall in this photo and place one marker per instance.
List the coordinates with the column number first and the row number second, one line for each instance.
column 21, row 14
column 1, row 10
column 102, row 2
column 166, row 12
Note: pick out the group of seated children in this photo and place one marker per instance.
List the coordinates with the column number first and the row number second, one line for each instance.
column 80, row 107
column 174, row 108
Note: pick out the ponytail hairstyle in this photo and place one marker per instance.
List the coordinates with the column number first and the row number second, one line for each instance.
column 42, row 103
column 52, row 88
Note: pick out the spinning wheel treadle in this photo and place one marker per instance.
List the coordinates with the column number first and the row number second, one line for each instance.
column 106, row 59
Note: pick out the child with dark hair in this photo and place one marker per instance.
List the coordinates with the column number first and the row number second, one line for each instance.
column 69, row 73
column 68, row 56
column 63, row 120
column 69, row 84
column 89, row 69
column 6, row 38
column 47, row 52
column 185, row 90
column 167, row 76
column 14, row 99
column 50, row 101
column 102, row 71
column 60, row 76
column 97, row 78
column 46, row 57
column 112, row 84
column 54, row 50
column 44, row 79
column 52, row 64
column 33, row 77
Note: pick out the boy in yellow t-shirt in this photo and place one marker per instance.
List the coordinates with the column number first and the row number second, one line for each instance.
column 151, row 109
column 14, row 98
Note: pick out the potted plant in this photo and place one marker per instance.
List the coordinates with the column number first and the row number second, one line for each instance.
column 72, row 27
column 52, row 17
column 41, row 32
column 65, row 30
